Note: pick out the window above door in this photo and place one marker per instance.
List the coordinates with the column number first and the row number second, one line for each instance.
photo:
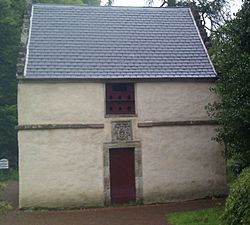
column 120, row 99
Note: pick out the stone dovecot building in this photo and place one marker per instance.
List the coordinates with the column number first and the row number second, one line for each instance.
column 111, row 108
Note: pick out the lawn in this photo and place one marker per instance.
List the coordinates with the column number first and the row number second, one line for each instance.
column 7, row 175
column 204, row 216
column 200, row 217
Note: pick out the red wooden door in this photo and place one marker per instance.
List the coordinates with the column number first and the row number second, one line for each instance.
column 122, row 175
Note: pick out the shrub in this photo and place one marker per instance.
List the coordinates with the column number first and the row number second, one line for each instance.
column 4, row 206
column 237, row 208
column 8, row 175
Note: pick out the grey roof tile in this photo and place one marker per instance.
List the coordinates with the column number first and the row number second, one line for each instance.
column 69, row 41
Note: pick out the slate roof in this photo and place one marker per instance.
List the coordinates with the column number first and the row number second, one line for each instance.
column 72, row 41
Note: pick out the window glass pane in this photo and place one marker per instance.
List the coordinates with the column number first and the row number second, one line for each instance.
column 119, row 87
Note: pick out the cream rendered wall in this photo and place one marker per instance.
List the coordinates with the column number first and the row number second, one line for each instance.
column 62, row 167
column 184, row 164
column 179, row 162
column 57, row 103
column 84, row 102
column 65, row 167
column 171, row 101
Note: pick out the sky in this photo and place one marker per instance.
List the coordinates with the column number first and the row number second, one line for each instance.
column 235, row 4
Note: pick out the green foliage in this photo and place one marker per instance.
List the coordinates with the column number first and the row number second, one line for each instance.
column 87, row 2
column 4, row 206
column 109, row 3
column 213, row 12
column 237, row 209
column 198, row 217
column 231, row 55
column 59, row 1
column 11, row 14
column 8, row 175
column 10, row 25
column 231, row 177
column 8, row 139
column 171, row 2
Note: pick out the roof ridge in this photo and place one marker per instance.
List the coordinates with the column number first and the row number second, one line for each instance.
column 120, row 7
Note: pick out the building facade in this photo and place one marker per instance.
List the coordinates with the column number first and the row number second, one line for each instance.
column 116, row 119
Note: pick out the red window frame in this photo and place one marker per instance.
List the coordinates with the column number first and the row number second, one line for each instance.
column 120, row 98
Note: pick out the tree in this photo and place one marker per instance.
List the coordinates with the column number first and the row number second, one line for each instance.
column 231, row 56
column 87, row 2
column 237, row 207
column 10, row 27
column 11, row 14
column 109, row 3
column 213, row 12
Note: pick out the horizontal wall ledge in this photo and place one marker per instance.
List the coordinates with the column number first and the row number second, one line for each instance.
column 177, row 123
column 24, row 79
column 58, row 126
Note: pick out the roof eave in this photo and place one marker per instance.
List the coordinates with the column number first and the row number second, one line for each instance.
column 113, row 79
column 25, row 35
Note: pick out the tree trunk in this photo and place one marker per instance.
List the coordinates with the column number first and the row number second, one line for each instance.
column 171, row 2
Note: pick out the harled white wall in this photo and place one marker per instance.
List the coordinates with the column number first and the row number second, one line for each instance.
column 171, row 101
column 65, row 167
column 43, row 103
column 84, row 102
column 61, row 168
column 184, row 164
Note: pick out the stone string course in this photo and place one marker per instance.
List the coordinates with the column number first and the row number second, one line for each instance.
column 98, row 126
column 58, row 126
column 177, row 123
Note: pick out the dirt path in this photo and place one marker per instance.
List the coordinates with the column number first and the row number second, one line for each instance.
column 10, row 194
column 133, row 215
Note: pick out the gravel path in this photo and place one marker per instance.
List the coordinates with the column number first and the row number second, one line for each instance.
column 132, row 215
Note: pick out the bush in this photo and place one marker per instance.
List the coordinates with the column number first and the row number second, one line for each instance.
column 4, row 206
column 237, row 208
column 8, row 175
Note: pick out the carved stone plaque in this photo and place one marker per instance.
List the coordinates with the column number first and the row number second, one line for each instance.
column 121, row 131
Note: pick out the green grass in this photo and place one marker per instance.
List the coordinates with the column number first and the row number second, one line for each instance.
column 199, row 217
column 204, row 216
column 7, row 175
